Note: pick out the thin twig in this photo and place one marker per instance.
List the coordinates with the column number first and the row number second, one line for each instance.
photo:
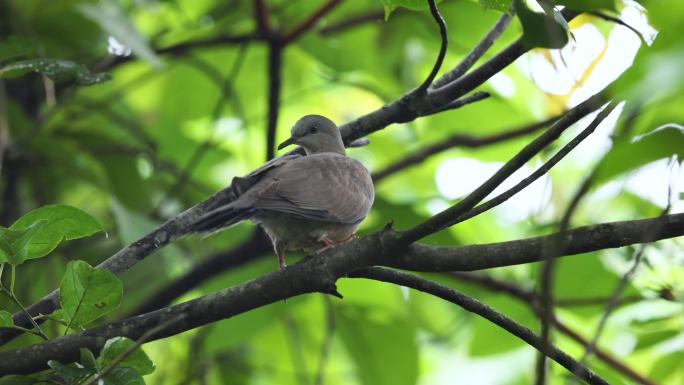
column 295, row 342
column 472, row 305
column 557, row 157
column 319, row 272
column 4, row 123
column 619, row 21
column 476, row 53
column 138, row 343
column 459, row 140
column 451, row 215
column 614, row 299
column 460, row 102
column 226, row 92
column 550, row 251
column 309, row 22
column 275, row 69
column 13, row 297
column 319, row 379
column 434, row 11
column 352, row 21
column 262, row 18
column 530, row 298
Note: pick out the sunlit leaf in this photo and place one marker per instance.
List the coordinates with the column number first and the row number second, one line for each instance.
column 113, row 20
column 61, row 223
column 545, row 30
column 499, row 5
column 626, row 155
column 87, row 293
column 6, row 319
column 88, row 359
column 15, row 243
column 14, row 46
column 587, row 5
column 56, row 69
column 124, row 376
column 137, row 360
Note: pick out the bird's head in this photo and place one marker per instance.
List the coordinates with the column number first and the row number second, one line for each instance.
column 316, row 134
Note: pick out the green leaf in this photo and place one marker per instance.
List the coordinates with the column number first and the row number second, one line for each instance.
column 16, row 243
column 6, row 319
column 71, row 373
column 414, row 5
column 62, row 223
column 56, row 69
column 88, row 360
column 123, row 376
column 87, row 293
column 498, row 5
column 369, row 334
column 17, row 380
column 137, row 360
column 667, row 365
column 588, row 5
column 545, row 30
column 112, row 19
column 14, row 46
column 625, row 155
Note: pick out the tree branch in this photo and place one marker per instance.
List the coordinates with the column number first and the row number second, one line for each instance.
column 275, row 69
column 459, row 140
column 530, row 298
column 352, row 21
column 449, row 216
column 476, row 53
column 318, row 274
column 309, row 22
column 434, row 11
column 401, row 110
column 474, row 306
column 244, row 252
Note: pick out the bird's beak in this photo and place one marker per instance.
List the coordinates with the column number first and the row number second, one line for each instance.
column 291, row 140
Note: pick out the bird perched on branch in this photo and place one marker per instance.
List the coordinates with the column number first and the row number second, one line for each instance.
column 303, row 202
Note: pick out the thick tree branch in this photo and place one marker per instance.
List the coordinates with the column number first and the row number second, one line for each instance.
column 459, row 140
column 319, row 273
column 244, row 252
column 474, row 306
column 402, row 110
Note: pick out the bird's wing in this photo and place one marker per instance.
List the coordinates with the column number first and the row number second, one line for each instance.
column 328, row 187
column 241, row 184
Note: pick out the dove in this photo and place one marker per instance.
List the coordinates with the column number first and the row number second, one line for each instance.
column 304, row 203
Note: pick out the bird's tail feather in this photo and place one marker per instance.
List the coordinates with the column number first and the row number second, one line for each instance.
column 219, row 219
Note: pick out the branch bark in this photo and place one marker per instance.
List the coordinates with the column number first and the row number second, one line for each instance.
column 319, row 273
column 474, row 306
column 530, row 298
column 459, row 140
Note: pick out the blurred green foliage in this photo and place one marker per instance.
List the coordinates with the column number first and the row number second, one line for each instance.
column 174, row 125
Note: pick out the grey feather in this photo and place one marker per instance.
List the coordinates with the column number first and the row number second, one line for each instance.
column 325, row 194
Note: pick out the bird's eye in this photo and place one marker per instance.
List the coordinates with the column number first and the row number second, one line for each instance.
column 313, row 130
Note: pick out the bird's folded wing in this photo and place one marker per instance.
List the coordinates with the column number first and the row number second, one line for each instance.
column 241, row 184
column 326, row 187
